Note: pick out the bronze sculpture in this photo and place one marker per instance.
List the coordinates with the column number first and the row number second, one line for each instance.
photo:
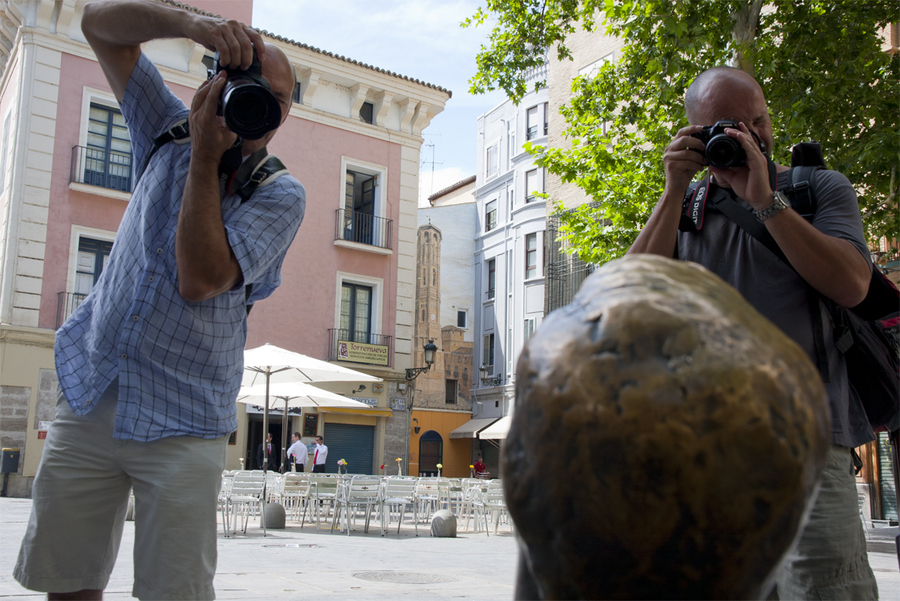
column 688, row 434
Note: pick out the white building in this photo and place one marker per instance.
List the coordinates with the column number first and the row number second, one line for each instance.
column 509, row 250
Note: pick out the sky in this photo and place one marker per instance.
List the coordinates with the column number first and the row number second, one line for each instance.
column 421, row 39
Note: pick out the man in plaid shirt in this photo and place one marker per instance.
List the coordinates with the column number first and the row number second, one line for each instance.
column 150, row 364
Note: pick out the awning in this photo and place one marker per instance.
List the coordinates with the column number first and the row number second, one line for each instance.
column 373, row 412
column 471, row 428
column 498, row 430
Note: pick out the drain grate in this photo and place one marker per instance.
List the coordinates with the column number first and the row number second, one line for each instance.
column 404, row 577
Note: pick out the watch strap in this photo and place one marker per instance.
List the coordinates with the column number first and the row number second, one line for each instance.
column 779, row 203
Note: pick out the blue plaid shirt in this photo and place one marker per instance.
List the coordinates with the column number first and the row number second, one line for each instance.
column 178, row 363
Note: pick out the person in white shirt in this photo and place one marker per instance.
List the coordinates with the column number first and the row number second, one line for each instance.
column 297, row 453
column 321, row 454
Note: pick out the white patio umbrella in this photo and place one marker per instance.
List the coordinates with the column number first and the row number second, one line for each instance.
column 270, row 364
column 295, row 395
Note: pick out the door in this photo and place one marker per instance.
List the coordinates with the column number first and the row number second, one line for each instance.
column 354, row 444
column 431, row 452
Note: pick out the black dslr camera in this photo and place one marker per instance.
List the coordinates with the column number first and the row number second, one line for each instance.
column 722, row 151
column 247, row 103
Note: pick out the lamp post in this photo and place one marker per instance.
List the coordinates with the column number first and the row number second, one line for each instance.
column 412, row 373
column 486, row 379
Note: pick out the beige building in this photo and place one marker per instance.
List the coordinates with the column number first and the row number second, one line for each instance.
column 353, row 138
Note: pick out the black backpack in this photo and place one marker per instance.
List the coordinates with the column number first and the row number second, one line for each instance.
column 868, row 334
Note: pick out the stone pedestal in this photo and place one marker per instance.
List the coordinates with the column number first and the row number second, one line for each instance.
column 443, row 524
column 275, row 517
column 687, row 431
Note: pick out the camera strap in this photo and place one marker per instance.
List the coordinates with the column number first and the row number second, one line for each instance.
column 694, row 206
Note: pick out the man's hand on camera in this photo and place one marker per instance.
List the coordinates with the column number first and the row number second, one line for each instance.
column 750, row 181
column 682, row 159
column 233, row 40
column 210, row 138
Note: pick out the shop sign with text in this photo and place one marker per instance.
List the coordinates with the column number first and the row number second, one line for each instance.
column 360, row 352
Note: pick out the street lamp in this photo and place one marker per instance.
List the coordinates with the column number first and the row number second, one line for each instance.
column 486, row 378
column 413, row 372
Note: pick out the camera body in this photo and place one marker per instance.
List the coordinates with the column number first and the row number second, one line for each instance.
column 247, row 104
column 723, row 151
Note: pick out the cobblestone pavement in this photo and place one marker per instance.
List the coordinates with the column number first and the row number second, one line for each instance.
column 296, row 563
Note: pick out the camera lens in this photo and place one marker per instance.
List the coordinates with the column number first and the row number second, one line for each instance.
column 723, row 152
column 249, row 109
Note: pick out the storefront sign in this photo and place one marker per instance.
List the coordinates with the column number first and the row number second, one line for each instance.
column 368, row 401
column 360, row 352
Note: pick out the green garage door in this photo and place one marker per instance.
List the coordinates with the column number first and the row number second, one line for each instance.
column 355, row 444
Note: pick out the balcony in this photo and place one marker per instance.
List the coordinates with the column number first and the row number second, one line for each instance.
column 362, row 228
column 360, row 347
column 66, row 303
column 490, row 293
column 99, row 167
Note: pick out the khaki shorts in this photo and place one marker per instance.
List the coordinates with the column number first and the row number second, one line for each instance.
column 81, row 494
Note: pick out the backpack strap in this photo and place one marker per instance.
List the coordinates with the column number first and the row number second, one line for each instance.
column 177, row 132
column 746, row 220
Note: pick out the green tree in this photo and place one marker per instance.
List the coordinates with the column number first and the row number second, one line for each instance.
column 820, row 64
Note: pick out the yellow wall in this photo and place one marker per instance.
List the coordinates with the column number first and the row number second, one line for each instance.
column 457, row 451
column 23, row 353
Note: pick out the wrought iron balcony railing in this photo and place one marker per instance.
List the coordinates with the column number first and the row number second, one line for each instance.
column 66, row 303
column 363, row 228
column 99, row 167
column 338, row 335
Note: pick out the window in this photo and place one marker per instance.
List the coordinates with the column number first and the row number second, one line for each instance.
column 490, row 216
column 532, row 185
column 359, row 206
column 546, row 118
column 491, row 277
column 297, row 94
column 511, row 137
column 511, row 194
column 452, row 388
column 107, row 158
column 92, row 258
column 366, row 112
column 529, row 328
column 487, row 356
column 531, row 256
column 356, row 312
column 532, row 123
column 492, row 161
column 462, row 319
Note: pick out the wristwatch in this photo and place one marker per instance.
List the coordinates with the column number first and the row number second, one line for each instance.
column 779, row 203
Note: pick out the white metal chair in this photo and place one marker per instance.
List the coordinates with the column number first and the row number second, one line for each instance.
column 247, row 495
column 495, row 504
column 295, row 494
column 224, row 499
column 357, row 493
column 323, row 493
column 427, row 495
column 473, row 508
column 450, row 494
column 396, row 494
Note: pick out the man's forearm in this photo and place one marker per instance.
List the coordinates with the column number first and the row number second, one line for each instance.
column 133, row 22
column 832, row 266
column 206, row 264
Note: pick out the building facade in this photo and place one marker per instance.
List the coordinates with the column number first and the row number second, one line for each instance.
column 444, row 304
column 352, row 138
column 509, row 253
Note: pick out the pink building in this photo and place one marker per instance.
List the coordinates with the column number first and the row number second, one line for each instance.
column 353, row 140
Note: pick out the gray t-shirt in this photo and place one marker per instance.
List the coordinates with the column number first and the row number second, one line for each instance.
column 780, row 294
